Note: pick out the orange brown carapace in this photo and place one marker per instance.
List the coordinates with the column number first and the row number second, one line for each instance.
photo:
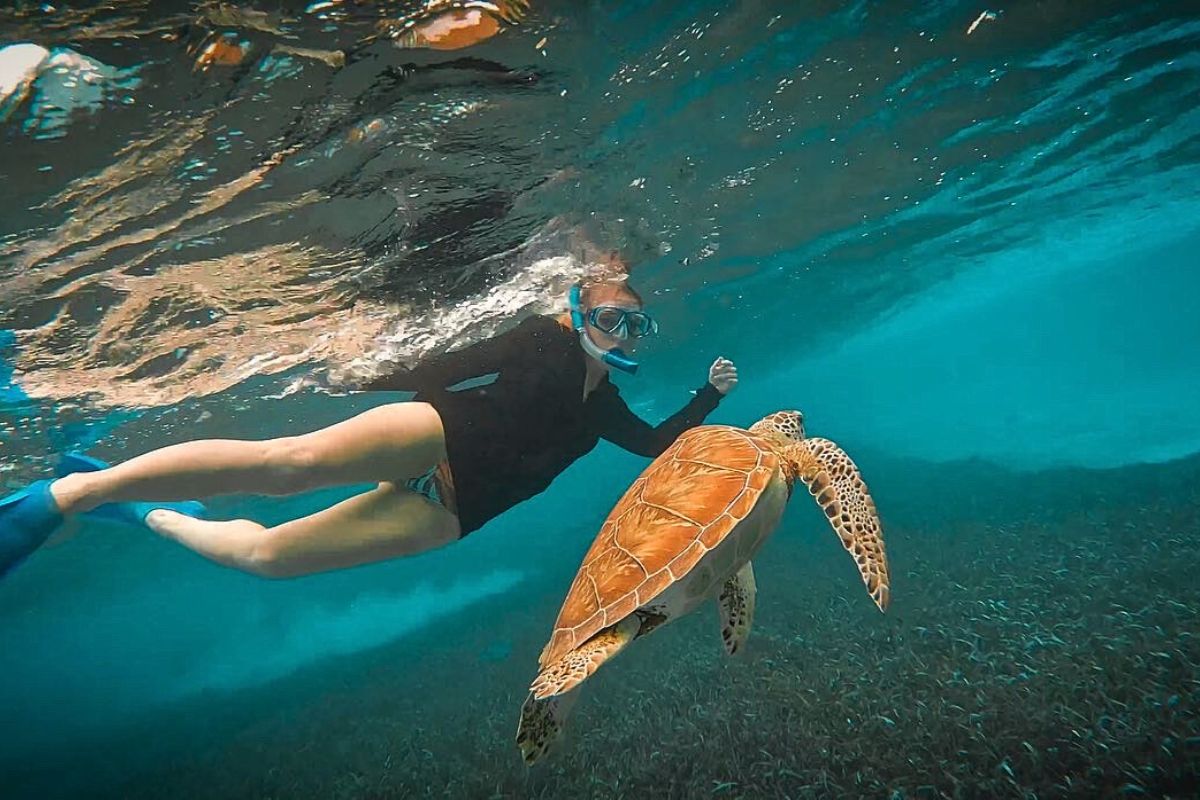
column 681, row 507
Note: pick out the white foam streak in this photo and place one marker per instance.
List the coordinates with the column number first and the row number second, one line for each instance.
column 262, row 651
column 540, row 288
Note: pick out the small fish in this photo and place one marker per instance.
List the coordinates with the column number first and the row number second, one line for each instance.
column 989, row 16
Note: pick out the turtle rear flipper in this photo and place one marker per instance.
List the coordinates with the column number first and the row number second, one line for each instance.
column 736, row 604
column 541, row 724
column 569, row 671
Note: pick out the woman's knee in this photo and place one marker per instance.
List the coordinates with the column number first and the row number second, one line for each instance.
column 271, row 569
column 267, row 559
column 291, row 465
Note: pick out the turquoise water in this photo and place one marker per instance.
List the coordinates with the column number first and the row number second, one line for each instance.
column 969, row 258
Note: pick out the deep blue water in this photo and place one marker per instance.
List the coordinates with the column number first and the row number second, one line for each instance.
column 966, row 255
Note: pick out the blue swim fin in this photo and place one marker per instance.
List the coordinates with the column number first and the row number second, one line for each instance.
column 130, row 513
column 27, row 518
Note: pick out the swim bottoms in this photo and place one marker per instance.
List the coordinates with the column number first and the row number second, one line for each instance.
column 437, row 485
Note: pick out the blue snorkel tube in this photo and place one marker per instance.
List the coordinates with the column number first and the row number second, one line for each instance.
column 614, row 357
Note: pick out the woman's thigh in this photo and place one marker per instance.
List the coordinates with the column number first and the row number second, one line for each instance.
column 393, row 441
column 387, row 522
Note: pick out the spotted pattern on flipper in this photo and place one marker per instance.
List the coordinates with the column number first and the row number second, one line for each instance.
column 835, row 483
column 541, row 724
column 736, row 607
column 576, row 665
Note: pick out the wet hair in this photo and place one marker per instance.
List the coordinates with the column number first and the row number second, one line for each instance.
column 608, row 280
column 597, row 292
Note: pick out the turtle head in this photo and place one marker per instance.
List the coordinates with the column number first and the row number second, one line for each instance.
column 787, row 426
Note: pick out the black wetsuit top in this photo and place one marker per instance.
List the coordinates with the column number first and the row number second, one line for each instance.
column 514, row 414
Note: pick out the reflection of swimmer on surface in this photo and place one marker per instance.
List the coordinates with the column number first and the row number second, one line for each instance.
column 226, row 38
column 454, row 24
column 60, row 80
column 491, row 425
column 219, row 35
column 241, row 163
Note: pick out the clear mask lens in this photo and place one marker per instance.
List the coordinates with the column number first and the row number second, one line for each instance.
column 623, row 323
column 640, row 324
column 608, row 320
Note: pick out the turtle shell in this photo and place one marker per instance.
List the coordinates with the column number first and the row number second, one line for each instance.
column 681, row 507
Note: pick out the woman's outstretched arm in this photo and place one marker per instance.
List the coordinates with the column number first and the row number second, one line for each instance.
column 629, row 431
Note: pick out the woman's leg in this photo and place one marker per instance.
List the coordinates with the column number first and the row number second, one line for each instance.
column 387, row 522
column 394, row 441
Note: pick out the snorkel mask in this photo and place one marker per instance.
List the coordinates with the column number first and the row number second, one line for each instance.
column 620, row 326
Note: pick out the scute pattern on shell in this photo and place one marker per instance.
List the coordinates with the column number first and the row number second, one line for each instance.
column 681, row 507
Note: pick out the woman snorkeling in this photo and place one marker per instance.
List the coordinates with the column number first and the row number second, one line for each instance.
column 490, row 425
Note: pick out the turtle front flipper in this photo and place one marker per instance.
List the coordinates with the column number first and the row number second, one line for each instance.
column 834, row 480
column 541, row 724
column 736, row 604
column 569, row 671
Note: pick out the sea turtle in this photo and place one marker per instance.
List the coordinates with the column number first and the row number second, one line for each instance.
column 685, row 531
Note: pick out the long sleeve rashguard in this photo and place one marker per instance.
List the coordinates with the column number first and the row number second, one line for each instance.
column 515, row 416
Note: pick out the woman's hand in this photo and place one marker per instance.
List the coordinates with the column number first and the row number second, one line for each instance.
column 723, row 375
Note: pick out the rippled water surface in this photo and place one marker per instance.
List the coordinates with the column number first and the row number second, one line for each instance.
column 803, row 167
column 950, row 231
